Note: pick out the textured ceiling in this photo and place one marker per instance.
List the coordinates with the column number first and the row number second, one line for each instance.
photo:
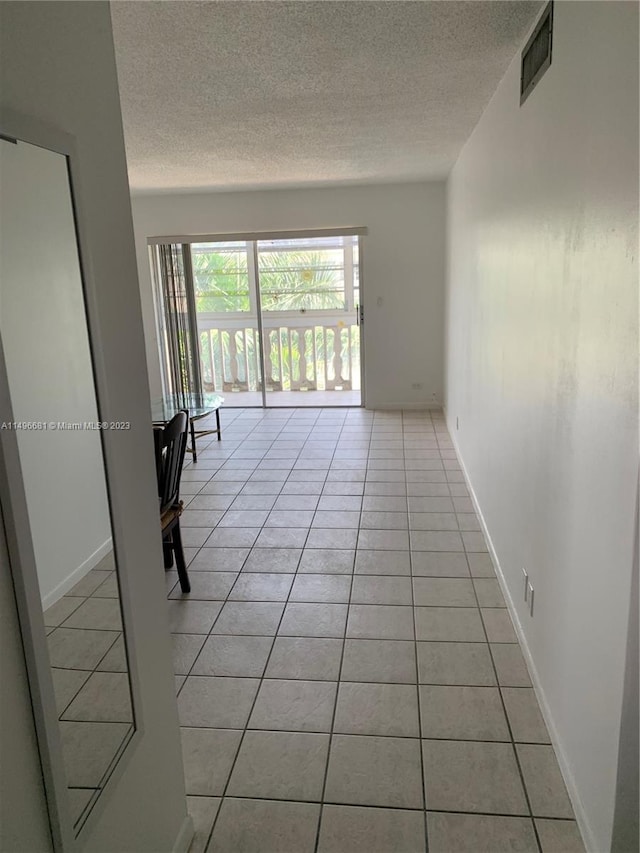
column 240, row 95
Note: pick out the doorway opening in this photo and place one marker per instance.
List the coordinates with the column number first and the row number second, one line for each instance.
column 273, row 322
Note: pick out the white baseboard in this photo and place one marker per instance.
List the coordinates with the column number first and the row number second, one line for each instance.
column 77, row 574
column 185, row 836
column 584, row 826
column 409, row 407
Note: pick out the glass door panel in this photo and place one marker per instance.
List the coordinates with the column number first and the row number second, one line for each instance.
column 287, row 310
column 310, row 322
column 227, row 319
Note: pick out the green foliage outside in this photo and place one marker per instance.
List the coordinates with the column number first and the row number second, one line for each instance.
column 221, row 281
column 289, row 281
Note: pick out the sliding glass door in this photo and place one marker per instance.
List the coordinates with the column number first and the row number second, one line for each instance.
column 276, row 322
column 310, row 321
column 227, row 320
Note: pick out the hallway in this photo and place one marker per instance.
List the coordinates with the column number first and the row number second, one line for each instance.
column 345, row 654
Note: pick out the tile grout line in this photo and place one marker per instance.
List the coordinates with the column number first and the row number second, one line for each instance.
column 244, row 730
column 360, row 734
column 226, row 599
column 339, row 679
column 449, row 484
column 319, row 637
column 502, row 703
column 261, row 681
column 297, row 572
column 415, row 651
column 84, row 683
column 95, row 669
column 388, row 807
column 508, row 723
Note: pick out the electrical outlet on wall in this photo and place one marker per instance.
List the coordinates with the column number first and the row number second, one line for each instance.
column 416, row 386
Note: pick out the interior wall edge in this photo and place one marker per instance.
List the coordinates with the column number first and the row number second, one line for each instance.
column 78, row 573
column 58, row 68
column 626, row 830
column 185, row 836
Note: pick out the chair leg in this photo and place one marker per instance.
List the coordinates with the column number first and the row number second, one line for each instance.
column 183, row 577
column 193, row 441
column 167, row 552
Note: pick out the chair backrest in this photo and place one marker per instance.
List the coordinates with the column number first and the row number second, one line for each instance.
column 170, row 444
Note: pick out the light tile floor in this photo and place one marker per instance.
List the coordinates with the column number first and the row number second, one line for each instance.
column 288, row 399
column 348, row 677
column 90, row 681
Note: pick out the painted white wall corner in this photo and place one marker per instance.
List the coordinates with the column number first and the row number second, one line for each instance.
column 541, row 372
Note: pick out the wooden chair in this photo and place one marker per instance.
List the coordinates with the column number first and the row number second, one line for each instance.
column 170, row 443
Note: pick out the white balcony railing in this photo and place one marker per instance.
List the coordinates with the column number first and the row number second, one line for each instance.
column 302, row 353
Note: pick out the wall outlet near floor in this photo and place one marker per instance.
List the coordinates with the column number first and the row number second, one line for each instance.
column 526, row 583
column 416, row 386
column 530, row 592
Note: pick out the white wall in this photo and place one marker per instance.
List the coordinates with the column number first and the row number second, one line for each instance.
column 46, row 347
column 58, row 68
column 403, row 268
column 626, row 825
column 24, row 822
column 542, row 369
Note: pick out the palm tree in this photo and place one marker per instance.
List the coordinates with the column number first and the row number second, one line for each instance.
column 289, row 281
column 300, row 280
column 221, row 280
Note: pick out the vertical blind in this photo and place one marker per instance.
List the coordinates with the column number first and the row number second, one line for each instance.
column 181, row 355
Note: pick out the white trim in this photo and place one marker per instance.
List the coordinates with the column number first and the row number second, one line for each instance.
column 185, row 836
column 360, row 317
column 582, row 820
column 258, row 235
column 254, row 284
column 77, row 574
column 19, row 540
column 407, row 407
column 156, row 285
column 348, row 270
column 252, row 313
column 276, row 320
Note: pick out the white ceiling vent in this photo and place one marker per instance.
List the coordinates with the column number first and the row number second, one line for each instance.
column 536, row 56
